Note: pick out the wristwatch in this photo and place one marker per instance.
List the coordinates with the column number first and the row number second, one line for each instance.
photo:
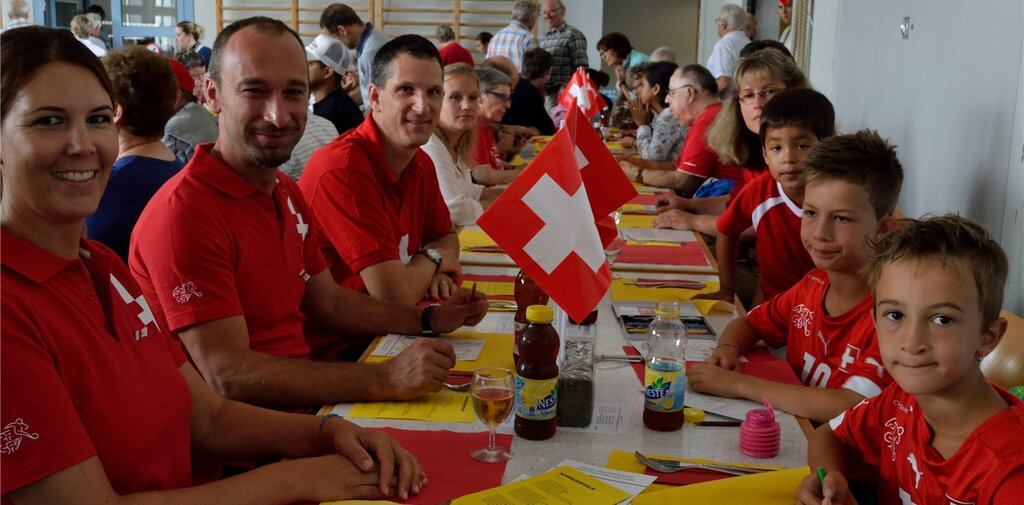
column 639, row 175
column 425, row 316
column 432, row 255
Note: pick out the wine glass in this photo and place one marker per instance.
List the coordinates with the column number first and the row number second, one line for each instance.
column 493, row 395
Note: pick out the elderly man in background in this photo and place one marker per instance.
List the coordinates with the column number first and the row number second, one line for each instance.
column 191, row 124
column 18, row 13
column 342, row 23
column 663, row 53
column 515, row 39
column 81, row 27
column 567, row 45
column 722, row 63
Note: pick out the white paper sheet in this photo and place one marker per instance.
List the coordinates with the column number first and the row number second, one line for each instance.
column 392, row 345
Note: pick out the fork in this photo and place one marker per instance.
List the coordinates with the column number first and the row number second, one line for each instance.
column 667, row 466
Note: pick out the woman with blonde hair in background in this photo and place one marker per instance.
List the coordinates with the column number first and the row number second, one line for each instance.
column 187, row 35
column 451, row 146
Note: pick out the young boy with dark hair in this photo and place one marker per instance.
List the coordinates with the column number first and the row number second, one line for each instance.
column 942, row 433
column 824, row 321
column 791, row 124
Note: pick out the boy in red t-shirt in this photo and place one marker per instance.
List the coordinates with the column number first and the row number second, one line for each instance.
column 942, row 433
column 824, row 321
column 791, row 124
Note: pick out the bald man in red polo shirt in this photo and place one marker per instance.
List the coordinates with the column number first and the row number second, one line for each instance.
column 226, row 253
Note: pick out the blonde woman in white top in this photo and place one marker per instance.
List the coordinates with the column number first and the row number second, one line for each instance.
column 451, row 146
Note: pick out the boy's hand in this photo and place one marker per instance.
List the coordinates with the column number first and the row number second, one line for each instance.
column 835, row 490
column 715, row 380
column 725, row 356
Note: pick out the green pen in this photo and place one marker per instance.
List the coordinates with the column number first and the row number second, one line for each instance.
column 821, row 478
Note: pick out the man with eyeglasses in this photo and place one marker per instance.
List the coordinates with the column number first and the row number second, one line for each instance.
column 693, row 100
column 567, row 45
column 722, row 63
column 384, row 227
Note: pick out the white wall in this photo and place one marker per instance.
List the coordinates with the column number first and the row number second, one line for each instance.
column 949, row 97
column 656, row 23
column 587, row 16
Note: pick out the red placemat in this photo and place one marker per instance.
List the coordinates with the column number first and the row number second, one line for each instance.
column 451, row 472
column 684, row 477
column 687, row 254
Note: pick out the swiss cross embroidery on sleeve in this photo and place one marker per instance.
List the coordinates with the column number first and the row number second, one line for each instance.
column 802, row 317
column 12, row 435
column 893, row 435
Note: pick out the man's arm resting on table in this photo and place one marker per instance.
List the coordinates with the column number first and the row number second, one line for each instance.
column 489, row 176
column 408, row 283
column 220, row 350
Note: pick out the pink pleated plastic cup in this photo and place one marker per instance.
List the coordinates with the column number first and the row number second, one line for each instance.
column 760, row 434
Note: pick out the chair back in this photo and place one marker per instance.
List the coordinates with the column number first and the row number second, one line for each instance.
column 1005, row 364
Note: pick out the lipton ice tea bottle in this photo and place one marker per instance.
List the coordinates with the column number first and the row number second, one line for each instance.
column 527, row 293
column 537, row 376
column 665, row 374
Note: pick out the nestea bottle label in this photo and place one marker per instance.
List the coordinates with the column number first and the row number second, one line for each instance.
column 664, row 387
column 536, row 399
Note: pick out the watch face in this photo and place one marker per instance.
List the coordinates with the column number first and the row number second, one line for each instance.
column 433, row 255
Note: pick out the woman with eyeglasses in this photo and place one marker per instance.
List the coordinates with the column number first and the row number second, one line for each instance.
column 495, row 99
column 734, row 136
column 99, row 404
column 659, row 137
column 451, row 145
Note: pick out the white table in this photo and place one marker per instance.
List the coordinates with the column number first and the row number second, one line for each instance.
column 616, row 384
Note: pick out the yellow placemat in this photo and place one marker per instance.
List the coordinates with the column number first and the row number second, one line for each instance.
column 442, row 407
column 491, row 288
column 496, row 352
column 636, row 222
column 621, row 291
column 474, row 238
column 768, row 488
column 662, row 493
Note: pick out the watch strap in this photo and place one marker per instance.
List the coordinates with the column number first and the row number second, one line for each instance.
column 428, row 312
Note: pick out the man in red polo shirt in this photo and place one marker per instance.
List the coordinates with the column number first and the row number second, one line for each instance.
column 384, row 226
column 695, row 105
column 225, row 251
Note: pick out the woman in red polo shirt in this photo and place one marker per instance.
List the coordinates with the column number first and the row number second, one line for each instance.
column 97, row 401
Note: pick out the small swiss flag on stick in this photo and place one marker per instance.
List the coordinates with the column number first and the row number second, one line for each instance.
column 583, row 91
column 547, row 219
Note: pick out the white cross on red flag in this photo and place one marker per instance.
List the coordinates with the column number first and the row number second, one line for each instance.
column 583, row 91
column 545, row 220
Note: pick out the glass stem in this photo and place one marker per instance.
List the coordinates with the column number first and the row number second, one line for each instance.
column 491, row 445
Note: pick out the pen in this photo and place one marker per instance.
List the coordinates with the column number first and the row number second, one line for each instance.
column 472, row 294
column 821, row 478
column 720, row 423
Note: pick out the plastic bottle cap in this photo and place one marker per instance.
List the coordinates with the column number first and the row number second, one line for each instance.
column 692, row 415
column 539, row 314
column 667, row 309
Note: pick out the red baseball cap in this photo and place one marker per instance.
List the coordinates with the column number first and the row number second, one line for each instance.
column 185, row 82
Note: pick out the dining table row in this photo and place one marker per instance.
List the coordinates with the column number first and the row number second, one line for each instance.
column 598, row 451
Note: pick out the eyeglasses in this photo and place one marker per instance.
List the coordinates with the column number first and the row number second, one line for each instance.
column 746, row 97
column 501, row 96
column 552, row 11
column 672, row 91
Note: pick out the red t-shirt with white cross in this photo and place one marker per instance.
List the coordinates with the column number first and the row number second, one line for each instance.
column 890, row 433
column 366, row 214
column 838, row 352
column 86, row 371
column 781, row 255
column 211, row 245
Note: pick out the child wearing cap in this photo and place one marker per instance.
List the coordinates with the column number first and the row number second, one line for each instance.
column 824, row 321
column 942, row 433
column 328, row 63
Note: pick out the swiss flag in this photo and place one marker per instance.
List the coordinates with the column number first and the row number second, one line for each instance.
column 545, row 220
column 581, row 89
